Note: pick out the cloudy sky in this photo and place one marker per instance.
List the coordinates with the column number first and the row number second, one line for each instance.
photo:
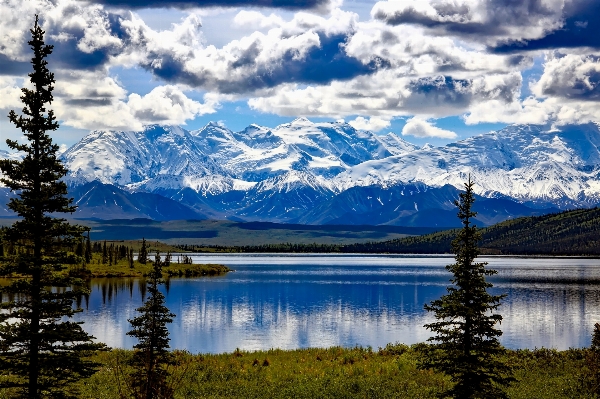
column 430, row 70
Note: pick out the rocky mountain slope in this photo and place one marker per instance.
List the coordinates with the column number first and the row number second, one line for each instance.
column 329, row 173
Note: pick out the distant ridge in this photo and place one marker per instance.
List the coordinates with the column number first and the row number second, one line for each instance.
column 575, row 232
column 330, row 173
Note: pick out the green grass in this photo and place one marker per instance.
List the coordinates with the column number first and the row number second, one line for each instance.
column 336, row 372
column 121, row 269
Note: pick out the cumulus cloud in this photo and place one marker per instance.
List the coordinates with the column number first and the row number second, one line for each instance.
column 528, row 111
column 578, row 28
column 566, row 93
column 504, row 25
column 167, row 104
column 85, row 37
column 571, row 76
column 552, row 110
column 411, row 52
column 373, row 124
column 422, row 128
column 420, row 59
column 388, row 94
column 164, row 105
column 257, row 20
column 490, row 22
column 308, row 49
column 9, row 93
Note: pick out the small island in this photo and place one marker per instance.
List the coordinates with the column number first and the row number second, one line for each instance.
column 134, row 259
column 122, row 269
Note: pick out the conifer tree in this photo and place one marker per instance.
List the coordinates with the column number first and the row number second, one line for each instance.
column 41, row 350
column 151, row 356
column 104, row 253
column 88, row 248
column 143, row 254
column 466, row 345
column 79, row 248
column 130, row 258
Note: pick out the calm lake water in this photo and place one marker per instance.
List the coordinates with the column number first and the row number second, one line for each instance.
column 297, row 301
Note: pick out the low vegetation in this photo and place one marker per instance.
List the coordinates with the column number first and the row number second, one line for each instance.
column 390, row 372
column 122, row 268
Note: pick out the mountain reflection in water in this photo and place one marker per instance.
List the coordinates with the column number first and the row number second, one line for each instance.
column 319, row 301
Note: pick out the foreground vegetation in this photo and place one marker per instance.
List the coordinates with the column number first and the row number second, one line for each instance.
column 336, row 372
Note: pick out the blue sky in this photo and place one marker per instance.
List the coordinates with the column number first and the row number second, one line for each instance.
column 429, row 70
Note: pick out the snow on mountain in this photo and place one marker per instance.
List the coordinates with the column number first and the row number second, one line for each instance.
column 286, row 196
column 332, row 173
column 157, row 154
column 214, row 159
column 527, row 163
column 323, row 149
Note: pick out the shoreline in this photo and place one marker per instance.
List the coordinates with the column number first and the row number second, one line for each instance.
column 141, row 270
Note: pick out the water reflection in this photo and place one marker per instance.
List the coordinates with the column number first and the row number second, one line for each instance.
column 306, row 301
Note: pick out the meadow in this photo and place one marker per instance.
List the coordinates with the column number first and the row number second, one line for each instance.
column 389, row 372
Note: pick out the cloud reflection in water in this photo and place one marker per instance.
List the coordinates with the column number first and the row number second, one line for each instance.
column 321, row 301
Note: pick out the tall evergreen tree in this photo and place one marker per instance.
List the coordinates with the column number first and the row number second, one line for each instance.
column 88, row 248
column 151, row 356
column 104, row 253
column 466, row 345
column 41, row 350
column 143, row 254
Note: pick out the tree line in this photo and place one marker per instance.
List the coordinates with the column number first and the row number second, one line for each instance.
column 572, row 232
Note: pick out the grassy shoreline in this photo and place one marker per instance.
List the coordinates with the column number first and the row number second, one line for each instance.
column 122, row 269
column 389, row 372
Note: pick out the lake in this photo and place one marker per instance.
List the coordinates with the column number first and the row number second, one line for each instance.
column 298, row 301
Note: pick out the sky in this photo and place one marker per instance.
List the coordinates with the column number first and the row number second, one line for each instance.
column 431, row 71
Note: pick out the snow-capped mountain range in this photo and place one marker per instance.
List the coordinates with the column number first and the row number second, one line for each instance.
column 317, row 173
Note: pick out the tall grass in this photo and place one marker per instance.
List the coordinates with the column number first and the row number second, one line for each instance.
column 339, row 373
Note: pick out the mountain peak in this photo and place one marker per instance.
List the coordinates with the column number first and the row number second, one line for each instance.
column 301, row 121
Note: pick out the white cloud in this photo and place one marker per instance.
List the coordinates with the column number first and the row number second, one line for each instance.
column 425, row 70
column 489, row 22
column 257, row 20
column 421, row 128
column 92, row 100
column 167, row 105
column 258, row 61
column 373, row 124
column 388, row 94
column 10, row 93
column 573, row 76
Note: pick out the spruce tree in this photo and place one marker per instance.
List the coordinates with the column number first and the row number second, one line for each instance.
column 88, row 248
column 143, row 254
column 466, row 345
column 41, row 350
column 104, row 253
column 151, row 355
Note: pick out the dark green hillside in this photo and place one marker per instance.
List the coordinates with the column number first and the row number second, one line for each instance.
column 575, row 232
